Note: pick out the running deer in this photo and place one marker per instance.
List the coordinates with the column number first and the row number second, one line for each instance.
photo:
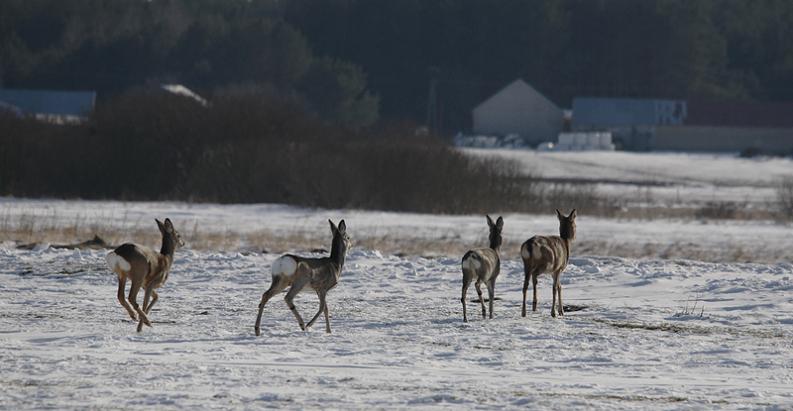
column 320, row 274
column 483, row 264
column 146, row 268
column 548, row 254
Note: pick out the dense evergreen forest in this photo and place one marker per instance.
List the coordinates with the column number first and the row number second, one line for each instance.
column 353, row 62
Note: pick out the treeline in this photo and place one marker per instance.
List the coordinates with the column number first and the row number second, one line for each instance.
column 649, row 48
column 349, row 60
column 246, row 147
column 111, row 46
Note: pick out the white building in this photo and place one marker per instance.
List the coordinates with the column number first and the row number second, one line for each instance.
column 519, row 109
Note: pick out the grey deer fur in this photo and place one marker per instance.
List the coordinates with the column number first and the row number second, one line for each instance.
column 320, row 274
column 145, row 268
column 484, row 264
column 548, row 254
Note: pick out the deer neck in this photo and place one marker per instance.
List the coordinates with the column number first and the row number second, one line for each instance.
column 338, row 252
column 168, row 248
column 495, row 243
column 567, row 240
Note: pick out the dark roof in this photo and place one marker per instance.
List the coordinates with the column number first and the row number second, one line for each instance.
column 69, row 103
column 739, row 114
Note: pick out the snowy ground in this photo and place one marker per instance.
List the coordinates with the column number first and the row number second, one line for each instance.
column 669, row 178
column 656, row 332
column 398, row 339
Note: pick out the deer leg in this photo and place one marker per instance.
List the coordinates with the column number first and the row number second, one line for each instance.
column 290, row 296
column 146, row 298
column 466, row 283
column 481, row 299
column 321, row 308
column 154, row 298
column 561, row 306
column 133, row 297
column 327, row 320
column 491, row 292
column 555, row 287
column 121, row 283
column 534, row 297
column 526, row 276
column 274, row 289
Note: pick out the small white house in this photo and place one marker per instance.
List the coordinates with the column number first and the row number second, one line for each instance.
column 519, row 109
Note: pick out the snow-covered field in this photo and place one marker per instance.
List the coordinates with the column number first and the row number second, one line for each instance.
column 647, row 330
column 398, row 338
column 669, row 178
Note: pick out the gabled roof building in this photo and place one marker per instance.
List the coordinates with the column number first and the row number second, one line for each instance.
column 521, row 110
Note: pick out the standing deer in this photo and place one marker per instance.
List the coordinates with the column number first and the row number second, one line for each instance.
column 321, row 274
column 484, row 264
column 146, row 268
column 548, row 254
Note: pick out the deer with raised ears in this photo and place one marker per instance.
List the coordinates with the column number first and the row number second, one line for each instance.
column 320, row 274
column 548, row 254
column 484, row 264
column 145, row 268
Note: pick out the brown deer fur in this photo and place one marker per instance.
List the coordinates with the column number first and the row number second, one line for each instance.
column 548, row 254
column 145, row 268
column 320, row 274
column 483, row 264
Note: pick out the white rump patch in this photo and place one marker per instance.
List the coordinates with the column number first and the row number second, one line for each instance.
column 116, row 261
column 471, row 263
column 524, row 252
column 284, row 265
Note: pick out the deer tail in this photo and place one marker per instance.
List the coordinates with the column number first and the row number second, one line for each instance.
column 471, row 261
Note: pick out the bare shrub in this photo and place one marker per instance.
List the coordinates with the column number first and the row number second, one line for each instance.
column 693, row 308
column 248, row 146
column 784, row 195
column 400, row 175
column 721, row 210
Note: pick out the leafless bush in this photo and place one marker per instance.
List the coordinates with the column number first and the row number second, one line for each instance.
column 248, row 147
column 722, row 210
column 784, row 195
column 693, row 308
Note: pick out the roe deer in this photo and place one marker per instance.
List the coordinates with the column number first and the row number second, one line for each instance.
column 146, row 268
column 548, row 254
column 484, row 264
column 321, row 274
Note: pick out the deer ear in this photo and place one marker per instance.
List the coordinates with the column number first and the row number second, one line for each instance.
column 160, row 225
column 559, row 214
column 168, row 224
column 573, row 214
column 333, row 228
column 500, row 223
column 490, row 221
column 342, row 227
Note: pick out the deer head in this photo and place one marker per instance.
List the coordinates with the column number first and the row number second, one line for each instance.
column 171, row 239
column 341, row 241
column 566, row 225
column 495, row 232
